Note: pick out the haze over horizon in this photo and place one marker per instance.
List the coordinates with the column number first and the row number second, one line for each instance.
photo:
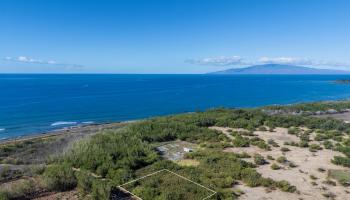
column 154, row 36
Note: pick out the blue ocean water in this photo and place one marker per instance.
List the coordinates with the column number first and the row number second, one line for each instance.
column 38, row 103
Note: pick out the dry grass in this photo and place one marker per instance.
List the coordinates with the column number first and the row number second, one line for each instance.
column 188, row 162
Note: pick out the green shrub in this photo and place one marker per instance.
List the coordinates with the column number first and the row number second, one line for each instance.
column 305, row 137
column 313, row 177
column 240, row 141
column 262, row 128
column 251, row 177
column 243, row 155
column 38, row 169
column 270, row 157
column 320, row 169
column 274, row 166
column 342, row 176
column 3, row 196
column 272, row 142
column 346, row 142
column 59, row 177
column 292, row 165
column 320, row 137
column 84, row 182
column 18, row 189
column 293, row 131
column 4, row 172
column 259, row 160
column 328, row 144
column 314, row 147
column 100, row 190
column 339, row 160
column 303, row 144
column 286, row 187
column 285, row 149
column 246, row 133
column 259, row 143
column 282, row 159
column 344, row 149
column 329, row 195
column 314, row 183
column 329, row 182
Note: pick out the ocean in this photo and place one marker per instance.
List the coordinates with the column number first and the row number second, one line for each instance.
column 31, row 104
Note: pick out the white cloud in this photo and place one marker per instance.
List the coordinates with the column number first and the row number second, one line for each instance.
column 25, row 59
column 302, row 61
column 239, row 61
column 285, row 60
column 218, row 61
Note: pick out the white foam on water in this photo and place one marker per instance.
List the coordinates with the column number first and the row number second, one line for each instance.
column 2, row 129
column 88, row 122
column 62, row 123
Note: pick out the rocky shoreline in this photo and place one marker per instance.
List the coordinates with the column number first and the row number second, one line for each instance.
column 65, row 131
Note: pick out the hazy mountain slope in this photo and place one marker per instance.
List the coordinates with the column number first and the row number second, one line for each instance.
column 279, row 69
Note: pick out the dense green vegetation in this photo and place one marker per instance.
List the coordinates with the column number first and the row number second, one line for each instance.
column 113, row 157
column 313, row 107
column 167, row 187
column 59, row 177
column 119, row 155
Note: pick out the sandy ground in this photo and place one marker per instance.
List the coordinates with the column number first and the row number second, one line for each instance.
column 260, row 193
column 307, row 163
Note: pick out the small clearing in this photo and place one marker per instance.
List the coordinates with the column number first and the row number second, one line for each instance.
column 188, row 162
column 176, row 151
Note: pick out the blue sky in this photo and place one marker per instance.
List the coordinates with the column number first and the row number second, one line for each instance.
column 178, row 36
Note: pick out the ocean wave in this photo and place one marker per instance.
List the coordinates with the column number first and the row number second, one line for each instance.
column 88, row 122
column 62, row 123
column 2, row 129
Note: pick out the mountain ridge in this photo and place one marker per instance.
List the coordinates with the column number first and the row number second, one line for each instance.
column 279, row 69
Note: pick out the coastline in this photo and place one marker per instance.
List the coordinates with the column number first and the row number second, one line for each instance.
column 66, row 131
column 343, row 115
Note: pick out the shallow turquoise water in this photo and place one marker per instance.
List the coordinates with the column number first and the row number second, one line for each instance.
column 38, row 103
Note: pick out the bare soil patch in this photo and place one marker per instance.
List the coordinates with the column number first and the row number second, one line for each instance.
column 176, row 151
column 309, row 175
column 70, row 195
column 345, row 116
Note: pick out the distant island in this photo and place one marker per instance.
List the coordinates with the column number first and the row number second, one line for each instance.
column 279, row 69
